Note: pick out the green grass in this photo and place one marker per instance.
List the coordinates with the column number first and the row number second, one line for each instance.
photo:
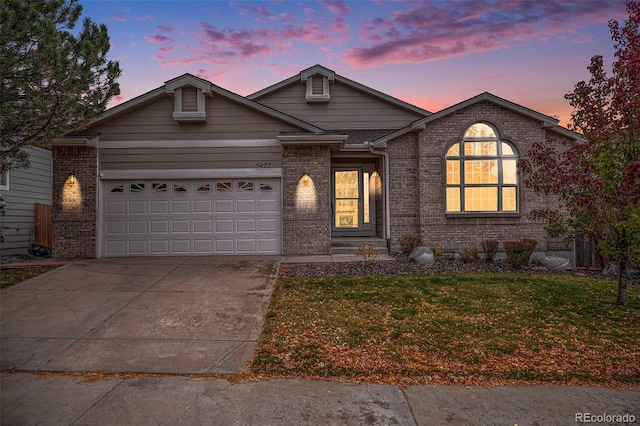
column 484, row 328
column 9, row 277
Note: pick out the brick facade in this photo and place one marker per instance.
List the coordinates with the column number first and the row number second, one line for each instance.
column 306, row 204
column 417, row 193
column 403, row 187
column 74, row 202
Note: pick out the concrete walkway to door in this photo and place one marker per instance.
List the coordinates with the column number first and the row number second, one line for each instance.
column 178, row 315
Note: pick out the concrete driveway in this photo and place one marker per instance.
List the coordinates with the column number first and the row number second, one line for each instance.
column 179, row 315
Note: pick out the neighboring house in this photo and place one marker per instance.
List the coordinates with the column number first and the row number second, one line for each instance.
column 21, row 189
column 304, row 167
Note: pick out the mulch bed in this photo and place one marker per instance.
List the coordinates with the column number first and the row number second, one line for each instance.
column 19, row 258
column 404, row 265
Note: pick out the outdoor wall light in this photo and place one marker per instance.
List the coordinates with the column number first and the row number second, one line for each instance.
column 306, row 198
column 72, row 195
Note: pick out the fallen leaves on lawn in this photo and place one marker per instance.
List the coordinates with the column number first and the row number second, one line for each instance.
column 309, row 336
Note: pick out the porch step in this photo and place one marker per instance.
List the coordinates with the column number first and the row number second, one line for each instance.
column 350, row 245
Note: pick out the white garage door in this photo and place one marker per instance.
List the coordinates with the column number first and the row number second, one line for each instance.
column 195, row 217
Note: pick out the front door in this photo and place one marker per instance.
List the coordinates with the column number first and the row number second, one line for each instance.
column 353, row 201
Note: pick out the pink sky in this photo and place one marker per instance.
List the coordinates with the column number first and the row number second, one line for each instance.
column 432, row 54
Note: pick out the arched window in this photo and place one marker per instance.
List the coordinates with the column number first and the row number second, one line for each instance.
column 481, row 173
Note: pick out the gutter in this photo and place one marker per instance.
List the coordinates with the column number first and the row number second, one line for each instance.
column 387, row 212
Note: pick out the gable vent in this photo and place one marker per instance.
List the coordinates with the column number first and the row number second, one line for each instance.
column 317, row 86
column 317, row 80
column 318, row 89
column 189, row 100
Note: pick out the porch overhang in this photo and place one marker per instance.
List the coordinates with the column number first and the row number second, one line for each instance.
column 344, row 141
column 311, row 139
column 79, row 140
column 335, row 141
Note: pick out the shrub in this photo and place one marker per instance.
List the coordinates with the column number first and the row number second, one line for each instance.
column 519, row 252
column 409, row 242
column 490, row 248
column 368, row 253
column 437, row 251
column 468, row 253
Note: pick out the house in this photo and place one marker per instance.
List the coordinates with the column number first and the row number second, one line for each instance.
column 21, row 190
column 307, row 166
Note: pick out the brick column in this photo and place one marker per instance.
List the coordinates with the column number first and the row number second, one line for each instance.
column 404, row 195
column 74, row 202
column 306, row 206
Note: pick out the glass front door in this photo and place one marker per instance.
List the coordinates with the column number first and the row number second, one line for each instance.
column 352, row 211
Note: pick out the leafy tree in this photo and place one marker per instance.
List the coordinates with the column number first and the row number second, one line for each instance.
column 51, row 81
column 597, row 179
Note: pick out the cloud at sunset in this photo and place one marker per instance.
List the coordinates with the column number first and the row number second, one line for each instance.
column 433, row 31
column 338, row 8
column 158, row 39
column 209, row 43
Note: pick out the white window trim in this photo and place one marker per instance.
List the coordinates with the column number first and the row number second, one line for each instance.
column 6, row 181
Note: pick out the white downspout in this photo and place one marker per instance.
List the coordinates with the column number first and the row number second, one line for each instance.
column 387, row 212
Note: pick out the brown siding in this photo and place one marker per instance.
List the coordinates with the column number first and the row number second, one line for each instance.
column 189, row 158
column 347, row 109
column 225, row 120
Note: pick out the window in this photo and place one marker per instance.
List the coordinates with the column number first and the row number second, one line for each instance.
column 223, row 186
column 136, row 187
column 481, row 173
column 4, row 180
column 245, row 186
column 158, row 187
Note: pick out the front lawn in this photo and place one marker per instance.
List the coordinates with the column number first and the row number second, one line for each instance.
column 451, row 328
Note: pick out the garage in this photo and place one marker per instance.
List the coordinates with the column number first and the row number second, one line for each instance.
column 190, row 217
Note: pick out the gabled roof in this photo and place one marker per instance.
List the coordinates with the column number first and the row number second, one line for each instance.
column 208, row 89
column 546, row 121
column 332, row 76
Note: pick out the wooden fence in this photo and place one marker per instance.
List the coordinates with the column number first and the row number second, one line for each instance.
column 585, row 253
column 44, row 225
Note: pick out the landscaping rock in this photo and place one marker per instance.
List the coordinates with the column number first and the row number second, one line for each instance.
column 422, row 255
column 404, row 265
column 555, row 263
column 39, row 251
column 612, row 268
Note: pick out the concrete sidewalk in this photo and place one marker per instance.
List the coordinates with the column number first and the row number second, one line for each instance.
column 62, row 400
